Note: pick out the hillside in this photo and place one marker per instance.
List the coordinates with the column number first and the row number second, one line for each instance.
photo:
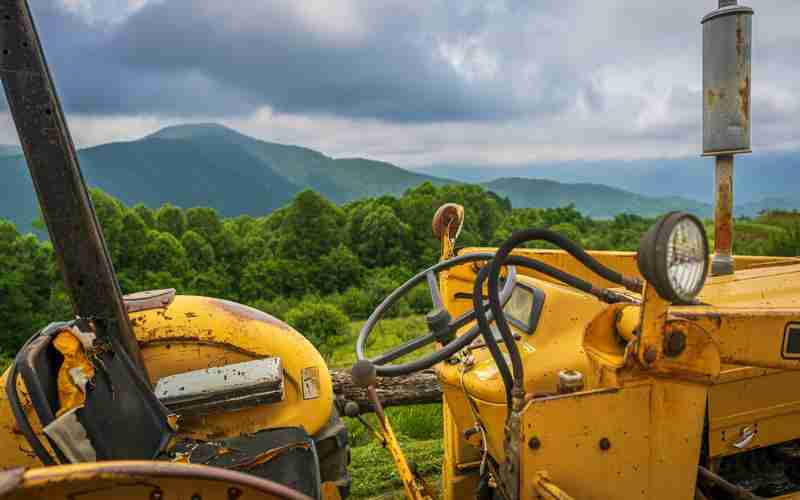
column 339, row 180
column 594, row 200
column 761, row 175
column 212, row 165
column 9, row 150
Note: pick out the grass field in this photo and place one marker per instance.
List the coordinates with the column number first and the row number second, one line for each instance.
column 419, row 427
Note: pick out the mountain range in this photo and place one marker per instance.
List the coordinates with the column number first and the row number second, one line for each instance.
column 212, row 165
column 761, row 180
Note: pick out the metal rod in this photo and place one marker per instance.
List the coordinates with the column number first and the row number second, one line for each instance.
column 722, row 262
column 66, row 206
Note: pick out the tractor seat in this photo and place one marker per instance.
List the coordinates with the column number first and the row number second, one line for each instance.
column 117, row 402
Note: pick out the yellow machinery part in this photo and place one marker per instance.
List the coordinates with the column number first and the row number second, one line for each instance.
column 194, row 333
column 137, row 480
column 197, row 332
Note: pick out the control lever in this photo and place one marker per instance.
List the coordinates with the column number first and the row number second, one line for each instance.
column 363, row 374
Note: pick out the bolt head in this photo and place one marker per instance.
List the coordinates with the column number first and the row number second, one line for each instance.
column 675, row 343
column 605, row 444
column 534, row 443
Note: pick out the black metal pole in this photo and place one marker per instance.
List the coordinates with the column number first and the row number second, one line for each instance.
column 50, row 153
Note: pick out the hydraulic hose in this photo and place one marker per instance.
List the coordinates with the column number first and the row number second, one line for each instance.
column 486, row 332
column 553, row 272
column 501, row 258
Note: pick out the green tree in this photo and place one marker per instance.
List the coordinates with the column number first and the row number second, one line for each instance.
column 268, row 279
column 384, row 238
column 205, row 222
column 133, row 234
column 165, row 254
column 109, row 214
column 325, row 325
column 147, row 214
column 198, row 250
column 171, row 219
column 337, row 271
column 310, row 228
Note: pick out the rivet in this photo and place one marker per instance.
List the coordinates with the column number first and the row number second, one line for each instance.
column 605, row 444
column 674, row 343
column 534, row 443
column 156, row 495
column 234, row 493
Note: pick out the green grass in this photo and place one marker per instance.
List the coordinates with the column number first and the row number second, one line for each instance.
column 374, row 474
column 419, row 427
column 387, row 334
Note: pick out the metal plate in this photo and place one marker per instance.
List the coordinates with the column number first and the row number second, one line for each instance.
column 225, row 388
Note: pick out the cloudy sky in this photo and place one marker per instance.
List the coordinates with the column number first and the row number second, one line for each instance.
column 415, row 83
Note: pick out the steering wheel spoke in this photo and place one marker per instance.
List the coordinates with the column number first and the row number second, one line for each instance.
column 403, row 349
column 441, row 327
column 433, row 286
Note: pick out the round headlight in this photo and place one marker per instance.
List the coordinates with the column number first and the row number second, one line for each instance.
column 673, row 257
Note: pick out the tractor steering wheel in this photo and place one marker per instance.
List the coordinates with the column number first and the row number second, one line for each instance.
column 441, row 326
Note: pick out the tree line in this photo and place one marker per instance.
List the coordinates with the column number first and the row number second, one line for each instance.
column 311, row 262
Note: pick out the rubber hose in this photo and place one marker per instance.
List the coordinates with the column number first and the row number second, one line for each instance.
column 486, row 332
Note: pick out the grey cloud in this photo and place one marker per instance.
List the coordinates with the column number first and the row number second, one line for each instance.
column 585, row 66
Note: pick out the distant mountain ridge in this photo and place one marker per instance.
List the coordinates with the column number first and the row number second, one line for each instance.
column 760, row 179
column 212, row 165
column 595, row 200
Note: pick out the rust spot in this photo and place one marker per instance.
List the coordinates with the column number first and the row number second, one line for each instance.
column 711, row 98
column 744, row 98
column 739, row 35
column 249, row 313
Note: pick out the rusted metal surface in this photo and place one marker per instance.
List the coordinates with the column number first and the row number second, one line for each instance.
column 151, row 299
column 722, row 262
column 727, row 35
column 250, row 313
column 50, row 154
column 108, row 475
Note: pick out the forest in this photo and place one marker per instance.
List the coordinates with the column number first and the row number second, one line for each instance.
column 312, row 263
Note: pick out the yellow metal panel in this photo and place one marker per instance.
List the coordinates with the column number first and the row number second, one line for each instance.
column 457, row 451
column 554, row 346
column 617, row 444
column 196, row 332
column 768, row 403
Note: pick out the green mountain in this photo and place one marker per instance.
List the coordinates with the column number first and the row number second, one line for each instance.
column 340, row 180
column 9, row 150
column 211, row 165
column 595, row 200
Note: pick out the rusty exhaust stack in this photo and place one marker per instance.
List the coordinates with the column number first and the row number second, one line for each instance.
column 727, row 36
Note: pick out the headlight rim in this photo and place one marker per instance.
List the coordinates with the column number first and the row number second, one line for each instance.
column 652, row 257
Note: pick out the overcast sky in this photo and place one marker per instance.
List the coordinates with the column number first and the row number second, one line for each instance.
column 415, row 83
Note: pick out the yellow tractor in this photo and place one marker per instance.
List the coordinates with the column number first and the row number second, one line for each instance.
column 152, row 395
column 660, row 374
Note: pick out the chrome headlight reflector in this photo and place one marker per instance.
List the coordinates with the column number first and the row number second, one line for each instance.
column 673, row 257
